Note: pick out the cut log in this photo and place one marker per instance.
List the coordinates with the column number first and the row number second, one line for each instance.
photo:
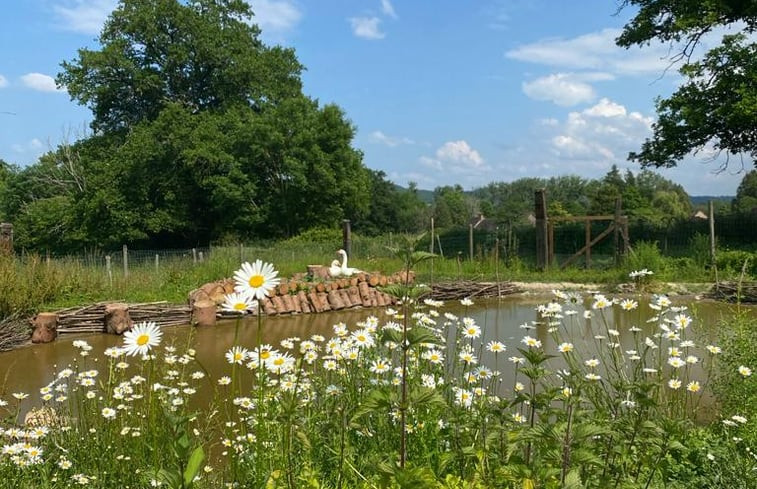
column 302, row 297
column 45, row 327
column 117, row 319
column 268, row 307
column 204, row 313
column 355, row 298
column 335, row 301
column 278, row 304
column 315, row 302
column 323, row 297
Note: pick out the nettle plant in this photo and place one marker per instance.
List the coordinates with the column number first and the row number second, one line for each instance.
column 414, row 398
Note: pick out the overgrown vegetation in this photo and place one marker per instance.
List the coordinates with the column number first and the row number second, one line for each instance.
column 416, row 398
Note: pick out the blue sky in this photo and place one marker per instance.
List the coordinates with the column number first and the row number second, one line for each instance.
column 442, row 92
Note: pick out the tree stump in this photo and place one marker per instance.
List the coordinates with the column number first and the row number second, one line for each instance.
column 45, row 327
column 204, row 313
column 117, row 319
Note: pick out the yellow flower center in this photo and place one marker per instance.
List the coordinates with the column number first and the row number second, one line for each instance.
column 278, row 361
column 265, row 354
column 240, row 306
column 143, row 339
column 237, row 356
column 256, row 281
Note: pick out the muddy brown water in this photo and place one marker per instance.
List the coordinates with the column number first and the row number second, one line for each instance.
column 29, row 368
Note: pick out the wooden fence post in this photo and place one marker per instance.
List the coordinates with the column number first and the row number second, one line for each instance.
column 713, row 261
column 109, row 270
column 431, row 246
column 346, row 237
column 542, row 240
column 616, row 231
column 587, row 225
column 6, row 237
column 157, row 263
column 125, row 251
column 470, row 241
column 194, row 256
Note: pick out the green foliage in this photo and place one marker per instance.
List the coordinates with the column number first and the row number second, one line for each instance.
column 716, row 103
column 733, row 263
column 646, row 255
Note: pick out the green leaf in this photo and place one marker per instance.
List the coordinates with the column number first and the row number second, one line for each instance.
column 193, row 465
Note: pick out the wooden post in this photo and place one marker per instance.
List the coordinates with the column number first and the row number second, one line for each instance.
column 157, row 263
column 551, row 242
column 194, row 256
column 201, row 257
column 470, row 241
column 431, row 246
column 540, row 212
column 6, row 237
column 346, row 237
column 496, row 264
column 587, row 225
column 616, row 231
column 125, row 252
column 109, row 270
column 713, row 261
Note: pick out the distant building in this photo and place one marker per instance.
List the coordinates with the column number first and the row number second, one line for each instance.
column 481, row 223
column 699, row 215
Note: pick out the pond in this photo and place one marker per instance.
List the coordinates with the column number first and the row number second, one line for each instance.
column 507, row 320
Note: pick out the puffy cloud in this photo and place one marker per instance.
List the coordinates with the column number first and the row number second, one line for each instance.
column 455, row 162
column 388, row 8
column 601, row 135
column 459, row 152
column 276, row 16
column 366, row 27
column 391, row 141
column 84, row 16
column 3, row 81
column 561, row 88
column 40, row 82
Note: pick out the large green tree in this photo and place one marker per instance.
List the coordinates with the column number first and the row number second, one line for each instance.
column 202, row 132
column 717, row 103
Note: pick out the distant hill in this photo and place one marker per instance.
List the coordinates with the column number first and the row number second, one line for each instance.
column 426, row 196
column 704, row 199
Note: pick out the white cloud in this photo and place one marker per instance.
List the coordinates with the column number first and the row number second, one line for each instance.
column 391, row 141
column 33, row 146
column 275, row 16
column 40, row 82
column 460, row 152
column 595, row 51
column 455, row 162
column 388, row 8
column 3, row 81
column 601, row 135
column 560, row 88
column 366, row 27
column 84, row 16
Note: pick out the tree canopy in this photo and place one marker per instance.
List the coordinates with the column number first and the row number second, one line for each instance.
column 717, row 103
column 201, row 133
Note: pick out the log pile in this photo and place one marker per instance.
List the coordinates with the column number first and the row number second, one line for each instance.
column 464, row 288
column 745, row 292
column 301, row 294
column 91, row 319
column 14, row 331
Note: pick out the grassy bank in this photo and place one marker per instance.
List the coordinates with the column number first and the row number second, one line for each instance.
column 31, row 283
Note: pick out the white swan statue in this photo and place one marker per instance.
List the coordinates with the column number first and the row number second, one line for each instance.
column 345, row 270
column 335, row 270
